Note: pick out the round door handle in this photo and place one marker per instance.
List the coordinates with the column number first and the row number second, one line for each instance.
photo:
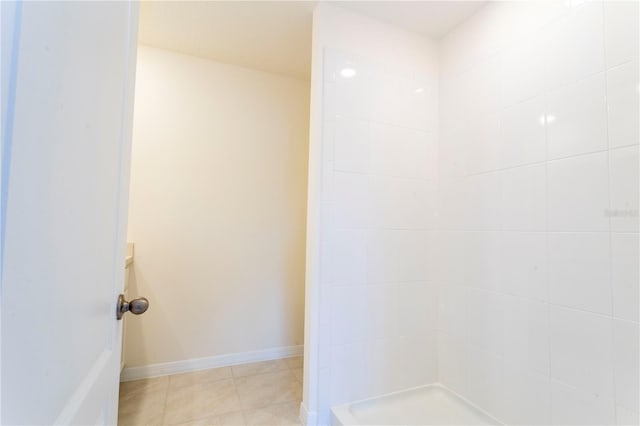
column 136, row 306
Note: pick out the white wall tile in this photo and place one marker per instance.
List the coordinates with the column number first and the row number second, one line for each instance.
column 482, row 141
column 527, row 397
column 418, row 106
column 543, row 120
column 352, row 145
column 452, row 313
column 453, row 254
column 328, row 137
column 387, row 97
column 344, row 257
column 328, row 103
column 418, row 309
column 580, row 270
column 401, row 152
column 485, row 315
column 352, row 200
column 622, row 99
column 408, row 309
column 324, row 311
column 524, row 264
column 575, row 45
column 570, row 406
column 577, row 118
column 384, row 355
column 624, row 186
column 626, row 417
column 349, row 312
column 522, row 70
column 626, row 358
column 397, row 256
column 328, row 192
column 482, row 83
column 581, row 353
column 523, row 138
column 401, row 203
column 524, row 198
column 621, row 31
column 384, row 306
column 402, row 363
column 451, row 363
column 350, row 378
column 483, row 259
column 577, row 193
column 324, row 349
column 484, row 197
column 526, row 324
column 484, row 383
column 352, row 96
column 625, row 275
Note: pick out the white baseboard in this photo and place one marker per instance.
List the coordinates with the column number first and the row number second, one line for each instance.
column 195, row 364
column 307, row 418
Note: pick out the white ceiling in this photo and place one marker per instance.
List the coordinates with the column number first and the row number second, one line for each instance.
column 275, row 36
column 430, row 18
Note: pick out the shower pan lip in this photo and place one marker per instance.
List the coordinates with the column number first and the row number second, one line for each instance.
column 432, row 404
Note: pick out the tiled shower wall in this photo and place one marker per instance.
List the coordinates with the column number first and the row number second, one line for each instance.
column 379, row 304
column 538, row 158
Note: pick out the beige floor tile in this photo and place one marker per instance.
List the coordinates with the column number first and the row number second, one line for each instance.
column 200, row 400
column 298, row 373
column 229, row 419
column 203, row 376
column 142, row 402
column 267, row 389
column 295, row 362
column 145, row 385
column 274, row 415
column 259, row 368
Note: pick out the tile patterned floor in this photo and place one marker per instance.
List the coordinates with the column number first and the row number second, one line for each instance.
column 263, row 393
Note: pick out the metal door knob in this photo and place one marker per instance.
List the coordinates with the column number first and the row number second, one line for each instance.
column 136, row 306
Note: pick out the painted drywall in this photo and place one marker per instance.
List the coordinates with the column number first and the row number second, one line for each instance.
column 371, row 308
column 539, row 212
column 217, row 209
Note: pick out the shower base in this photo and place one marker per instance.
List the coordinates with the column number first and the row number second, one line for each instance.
column 425, row 405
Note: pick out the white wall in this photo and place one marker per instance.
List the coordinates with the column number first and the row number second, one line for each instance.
column 371, row 305
column 539, row 182
column 218, row 207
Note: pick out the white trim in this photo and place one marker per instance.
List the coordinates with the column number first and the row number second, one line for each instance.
column 307, row 418
column 195, row 364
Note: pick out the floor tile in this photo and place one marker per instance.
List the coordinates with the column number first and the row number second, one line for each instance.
column 200, row 400
column 229, row 419
column 267, row 389
column 204, row 376
column 269, row 392
column 274, row 415
column 142, row 402
column 259, row 368
column 145, row 385
column 298, row 373
column 295, row 362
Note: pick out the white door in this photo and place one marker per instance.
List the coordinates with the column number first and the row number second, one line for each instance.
column 67, row 78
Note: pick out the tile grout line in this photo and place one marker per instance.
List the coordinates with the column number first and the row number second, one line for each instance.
column 235, row 389
column 166, row 398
